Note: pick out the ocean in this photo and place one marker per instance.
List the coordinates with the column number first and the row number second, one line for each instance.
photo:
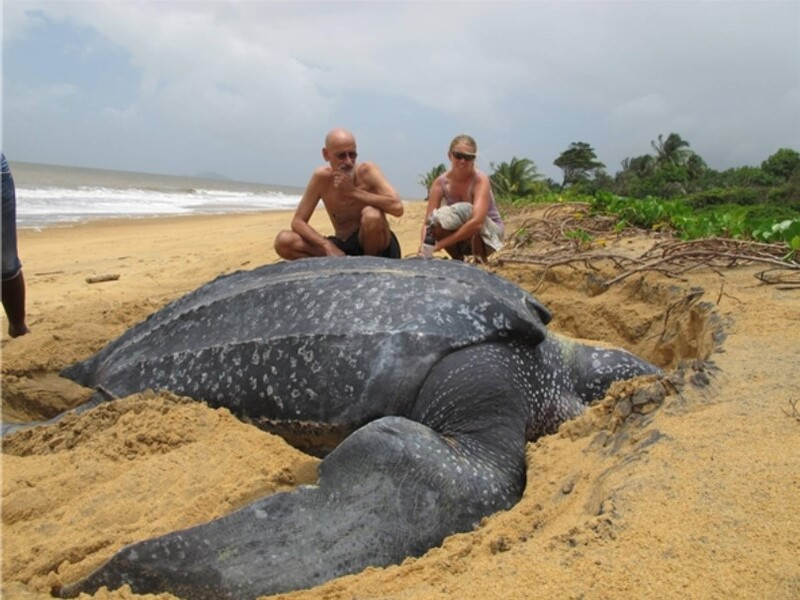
column 49, row 195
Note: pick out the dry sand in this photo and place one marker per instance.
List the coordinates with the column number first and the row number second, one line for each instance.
column 693, row 496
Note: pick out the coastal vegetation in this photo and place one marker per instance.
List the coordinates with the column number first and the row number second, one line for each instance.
column 673, row 188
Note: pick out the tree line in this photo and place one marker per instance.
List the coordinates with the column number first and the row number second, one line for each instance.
column 672, row 187
column 673, row 170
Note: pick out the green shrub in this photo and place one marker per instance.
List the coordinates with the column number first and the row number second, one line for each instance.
column 763, row 222
column 735, row 195
column 787, row 195
column 649, row 212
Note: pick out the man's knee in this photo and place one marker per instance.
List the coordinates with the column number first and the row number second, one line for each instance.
column 373, row 220
column 283, row 243
column 11, row 263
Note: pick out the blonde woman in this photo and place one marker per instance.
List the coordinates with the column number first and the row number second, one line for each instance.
column 462, row 212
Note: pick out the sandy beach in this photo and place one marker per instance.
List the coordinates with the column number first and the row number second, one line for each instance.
column 693, row 494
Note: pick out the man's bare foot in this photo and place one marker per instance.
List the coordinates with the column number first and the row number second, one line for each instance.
column 17, row 330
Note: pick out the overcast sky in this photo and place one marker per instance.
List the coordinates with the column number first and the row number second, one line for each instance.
column 248, row 89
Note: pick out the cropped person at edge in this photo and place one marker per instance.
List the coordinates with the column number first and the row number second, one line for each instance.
column 13, row 280
column 357, row 198
column 461, row 207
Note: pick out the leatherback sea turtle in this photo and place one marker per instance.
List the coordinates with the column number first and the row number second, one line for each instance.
column 434, row 372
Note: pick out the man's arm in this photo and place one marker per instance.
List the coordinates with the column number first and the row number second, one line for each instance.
column 305, row 209
column 382, row 196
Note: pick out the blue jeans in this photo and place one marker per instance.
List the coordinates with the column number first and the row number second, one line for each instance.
column 11, row 263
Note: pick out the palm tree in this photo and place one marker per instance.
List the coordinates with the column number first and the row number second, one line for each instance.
column 639, row 165
column 430, row 177
column 514, row 179
column 695, row 166
column 577, row 162
column 674, row 150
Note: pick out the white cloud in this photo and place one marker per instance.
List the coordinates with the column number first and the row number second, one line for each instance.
column 36, row 99
column 526, row 77
column 648, row 107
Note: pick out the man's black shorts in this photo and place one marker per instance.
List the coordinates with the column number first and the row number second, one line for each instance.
column 351, row 246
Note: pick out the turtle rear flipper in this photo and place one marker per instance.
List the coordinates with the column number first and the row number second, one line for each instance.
column 394, row 488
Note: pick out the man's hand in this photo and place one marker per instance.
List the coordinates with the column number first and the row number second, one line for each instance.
column 332, row 249
column 343, row 182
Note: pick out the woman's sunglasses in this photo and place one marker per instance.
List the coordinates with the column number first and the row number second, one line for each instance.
column 463, row 156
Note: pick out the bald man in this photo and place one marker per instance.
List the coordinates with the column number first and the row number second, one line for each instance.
column 357, row 198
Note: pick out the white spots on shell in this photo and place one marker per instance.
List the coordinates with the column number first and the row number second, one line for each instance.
column 306, row 353
column 501, row 322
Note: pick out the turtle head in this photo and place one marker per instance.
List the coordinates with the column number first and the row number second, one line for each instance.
column 539, row 309
column 596, row 368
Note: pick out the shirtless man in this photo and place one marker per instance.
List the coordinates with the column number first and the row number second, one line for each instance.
column 357, row 198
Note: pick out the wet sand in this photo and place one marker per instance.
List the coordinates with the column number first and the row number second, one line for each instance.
column 694, row 494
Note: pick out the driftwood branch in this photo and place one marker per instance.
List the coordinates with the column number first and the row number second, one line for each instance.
column 793, row 412
column 102, row 278
column 546, row 241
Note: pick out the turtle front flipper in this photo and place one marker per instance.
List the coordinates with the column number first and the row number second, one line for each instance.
column 98, row 397
column 394, row 488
